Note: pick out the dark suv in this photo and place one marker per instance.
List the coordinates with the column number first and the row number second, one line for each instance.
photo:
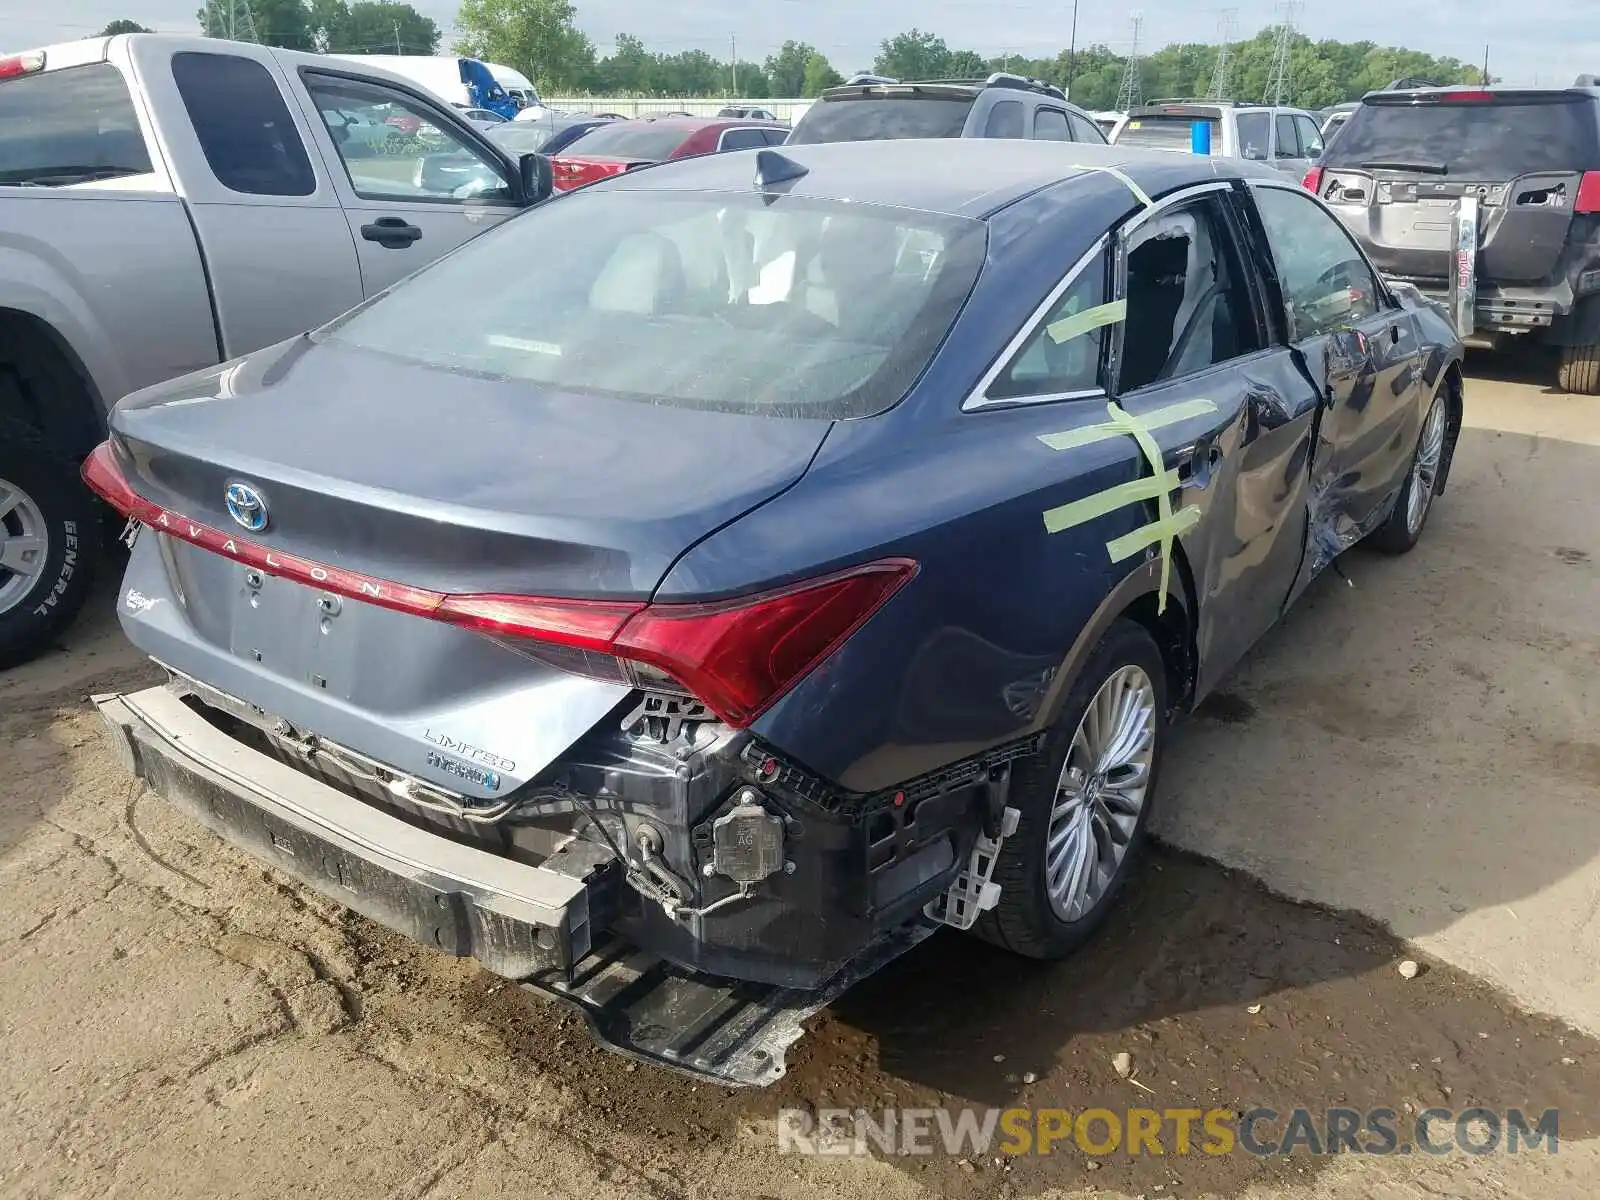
column 1530, row 158
column 873, row 108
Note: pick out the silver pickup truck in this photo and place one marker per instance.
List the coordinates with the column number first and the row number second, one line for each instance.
column 169, row 203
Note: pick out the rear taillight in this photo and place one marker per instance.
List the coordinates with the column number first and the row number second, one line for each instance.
column 21, row 64
column 737, row 656
column 1313, row 181
column 1468, row 96
column 1588, row 200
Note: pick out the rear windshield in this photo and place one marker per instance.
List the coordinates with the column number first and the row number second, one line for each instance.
column 1165, row 131
column 71, row 126
column 882, row 118
column 634, row 139
column 700, row 299
column 1471, row 140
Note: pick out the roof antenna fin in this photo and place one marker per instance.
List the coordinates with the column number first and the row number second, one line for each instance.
column 773, row 168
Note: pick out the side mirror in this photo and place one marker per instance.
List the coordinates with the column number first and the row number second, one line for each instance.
column 538, row 180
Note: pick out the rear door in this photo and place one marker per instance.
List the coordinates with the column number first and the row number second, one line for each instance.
column 1195, row 336
column 278, row 255
column 420, row 192
column 1402, row 161
column 1363, row 351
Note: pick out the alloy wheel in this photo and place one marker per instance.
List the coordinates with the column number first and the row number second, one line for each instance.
column 24, row 544
column 1101, row 793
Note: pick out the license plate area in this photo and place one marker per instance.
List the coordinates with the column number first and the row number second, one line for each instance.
column 297, row 632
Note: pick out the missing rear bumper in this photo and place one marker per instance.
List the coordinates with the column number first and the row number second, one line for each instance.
column 514, row 918
column 724, row 1031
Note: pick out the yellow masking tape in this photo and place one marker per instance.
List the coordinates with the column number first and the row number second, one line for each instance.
column 1129, row 544
column 1158, row 486
column 1156, row 418
column 1087, row 321
column 1139, row 193
column 1166, row 528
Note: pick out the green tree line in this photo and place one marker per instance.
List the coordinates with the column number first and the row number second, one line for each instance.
column 541, row 38
column 331, row 26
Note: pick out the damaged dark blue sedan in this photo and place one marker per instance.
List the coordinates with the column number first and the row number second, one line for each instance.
column 804, row 550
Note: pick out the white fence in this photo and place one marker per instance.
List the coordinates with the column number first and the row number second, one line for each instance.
column 634, row 106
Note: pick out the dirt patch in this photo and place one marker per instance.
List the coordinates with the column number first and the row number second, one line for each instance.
column 1171, row 982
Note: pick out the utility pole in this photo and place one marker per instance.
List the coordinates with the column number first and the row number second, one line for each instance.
column 397, row 37
column 1072, row 49
column 1131, row 94
column 1220, row 77
column 1278, row 80
column 733, row 61
column 1486, row 79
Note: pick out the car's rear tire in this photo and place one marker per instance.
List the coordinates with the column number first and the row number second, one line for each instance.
column 50, row 536
column 1403, row 527
column 1083, row 802
column 1579, row 372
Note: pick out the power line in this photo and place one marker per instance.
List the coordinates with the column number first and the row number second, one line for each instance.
column 1131, row 94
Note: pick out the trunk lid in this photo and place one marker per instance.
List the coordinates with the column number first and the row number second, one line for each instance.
column 570, row 171
column 1402, row 161
column 416, row 478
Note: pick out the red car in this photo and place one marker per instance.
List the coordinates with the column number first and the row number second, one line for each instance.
column 622, row 145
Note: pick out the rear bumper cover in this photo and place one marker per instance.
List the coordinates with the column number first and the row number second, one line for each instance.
column 516, row 919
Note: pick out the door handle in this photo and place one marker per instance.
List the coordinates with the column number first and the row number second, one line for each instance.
column 1195, row 466
column 392, row 233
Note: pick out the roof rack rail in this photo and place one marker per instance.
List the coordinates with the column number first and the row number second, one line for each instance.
column 1024, row 83
column 1191, row 100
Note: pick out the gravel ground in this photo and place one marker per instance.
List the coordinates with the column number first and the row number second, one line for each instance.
column 180, row 1021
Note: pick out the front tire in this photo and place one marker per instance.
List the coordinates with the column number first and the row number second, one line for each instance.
column 1403, row 528
column 1083, row 802
column 49, row 542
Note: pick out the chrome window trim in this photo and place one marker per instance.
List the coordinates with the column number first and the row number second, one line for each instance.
column 978, row 398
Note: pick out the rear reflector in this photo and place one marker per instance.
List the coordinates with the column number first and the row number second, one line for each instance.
column 21, row 64
column 1313, row 181
column 737, row 656
column 1588, row 200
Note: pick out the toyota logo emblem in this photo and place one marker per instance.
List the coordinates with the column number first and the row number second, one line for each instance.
column 246, row 507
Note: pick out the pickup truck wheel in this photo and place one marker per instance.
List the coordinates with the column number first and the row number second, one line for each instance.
column 49, row 542
column 1083, row 802
column 1580, row 370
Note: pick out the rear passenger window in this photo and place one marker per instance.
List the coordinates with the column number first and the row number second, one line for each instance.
column 741, row 139
column 1188, row 305
column 1253, row 128
column 1005, row 120
column 243, row 125
column 1062, row 356
column 1086, row 131
column 72, row 126
column 1050, row 124
column 1288, row 139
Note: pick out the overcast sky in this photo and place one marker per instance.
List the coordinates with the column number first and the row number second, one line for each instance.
column 1547, row 40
